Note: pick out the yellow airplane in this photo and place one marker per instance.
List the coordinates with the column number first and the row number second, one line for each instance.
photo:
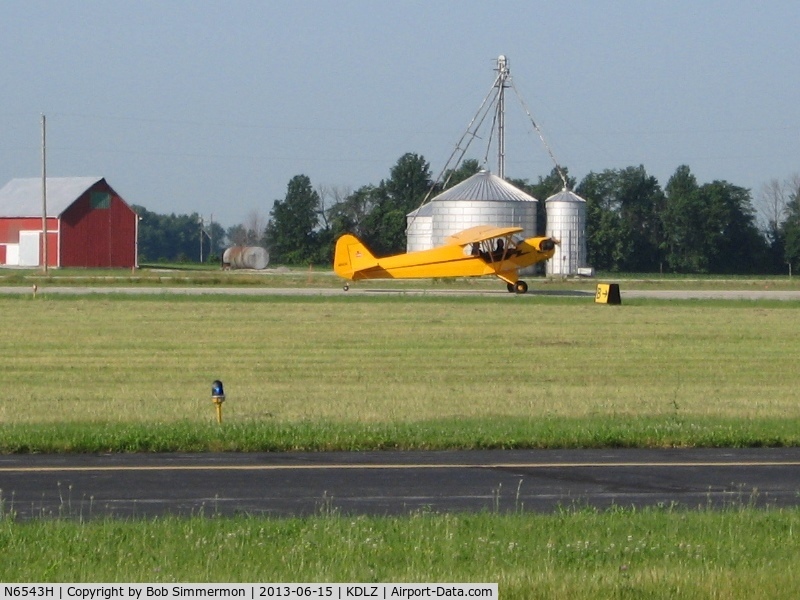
column 474, row 252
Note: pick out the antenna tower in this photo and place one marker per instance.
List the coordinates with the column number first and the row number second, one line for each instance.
column 503, row 75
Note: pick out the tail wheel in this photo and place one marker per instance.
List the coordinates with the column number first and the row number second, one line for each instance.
column 520, row 287
column 346, row 287
column 510, row 288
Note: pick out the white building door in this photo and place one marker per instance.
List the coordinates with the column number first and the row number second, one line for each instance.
column 12, row 255
column 29, row 248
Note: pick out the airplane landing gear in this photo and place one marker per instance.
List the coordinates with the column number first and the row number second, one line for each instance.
column 517, row 288
column 346, row 287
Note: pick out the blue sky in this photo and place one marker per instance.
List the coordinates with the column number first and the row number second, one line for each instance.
column 212, row 107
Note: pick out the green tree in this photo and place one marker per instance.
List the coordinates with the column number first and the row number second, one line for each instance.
column 607, row 241
column 791, row 229
column 349, row 215
column 684, row 244
column 641, row 201
column 542, row 190
column 792, row 240
column 552, row 183
column 734, row 244
column 774, row 201
column 409, row 181
column 622, row 219
column 237, row 235
column 465, row 170
column 384, row 227
column 215, row 237
column 291, row 233
column 174, row 237
column 711, row 228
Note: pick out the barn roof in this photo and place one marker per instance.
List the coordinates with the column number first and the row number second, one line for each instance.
column 23, row 197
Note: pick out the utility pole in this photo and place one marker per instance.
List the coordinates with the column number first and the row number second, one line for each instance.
column 44, row 195
column 208, row 234
column 211, row 236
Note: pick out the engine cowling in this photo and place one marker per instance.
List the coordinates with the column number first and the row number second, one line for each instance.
column 547, row 244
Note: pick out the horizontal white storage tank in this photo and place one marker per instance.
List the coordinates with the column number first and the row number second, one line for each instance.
column 566, row 221
column 245, row 257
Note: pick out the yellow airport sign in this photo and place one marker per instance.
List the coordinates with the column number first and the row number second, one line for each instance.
column 608, row 293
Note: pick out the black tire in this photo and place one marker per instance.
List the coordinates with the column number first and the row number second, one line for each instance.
column 510, row 288
column 346, row 287
column 521, row 287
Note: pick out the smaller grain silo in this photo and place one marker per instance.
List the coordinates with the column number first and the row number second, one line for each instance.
column 566, row 221
column 420, row 229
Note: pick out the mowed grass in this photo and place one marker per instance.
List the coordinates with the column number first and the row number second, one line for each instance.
column 655, row 553
column 125, row 373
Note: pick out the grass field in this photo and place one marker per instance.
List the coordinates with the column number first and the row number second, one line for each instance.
column 116, row 373
column 738, row 553
column 345, row 372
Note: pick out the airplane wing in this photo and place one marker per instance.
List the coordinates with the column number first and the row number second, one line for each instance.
column 480, row 233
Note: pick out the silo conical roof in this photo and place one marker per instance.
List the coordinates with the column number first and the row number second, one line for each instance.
column 483, row 199
column 426, row 210
column 565, row 196
column 485, row 186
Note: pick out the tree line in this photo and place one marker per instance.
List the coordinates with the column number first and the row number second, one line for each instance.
column 178, row 238
column 633, row 224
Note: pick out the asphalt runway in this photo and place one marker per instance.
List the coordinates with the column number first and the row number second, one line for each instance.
column 394, row 483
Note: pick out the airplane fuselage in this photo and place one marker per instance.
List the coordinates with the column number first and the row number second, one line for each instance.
column 354, row 262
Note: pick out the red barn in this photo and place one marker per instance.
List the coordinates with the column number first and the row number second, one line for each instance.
column 88, row 224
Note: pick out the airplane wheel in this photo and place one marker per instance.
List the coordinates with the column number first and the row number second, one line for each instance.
column 345, row 287
column 510, row 288
column 521, row 287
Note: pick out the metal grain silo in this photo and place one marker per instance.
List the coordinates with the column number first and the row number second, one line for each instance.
column 420, row 225
column 566, row 221
column 483, row 199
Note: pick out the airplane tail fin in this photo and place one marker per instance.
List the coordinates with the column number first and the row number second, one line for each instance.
column 351, row 257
